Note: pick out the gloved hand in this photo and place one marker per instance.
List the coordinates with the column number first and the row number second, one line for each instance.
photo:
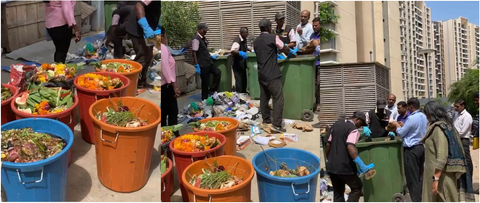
column 243, row 54
column 159, row 28
column 293, row 52
column 214, row 57
column 361, row 165
column 367, row 131
column 197, row 68
column 280, row 56
column 147, row 30
column 317, row 49
column 391, row 134
column 287, row 46
column 369, row 166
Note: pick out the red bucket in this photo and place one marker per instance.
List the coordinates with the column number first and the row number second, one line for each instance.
column 67, row 117
column 7, row 113
column 87, row 97
column 184, row 159
column 167, row 182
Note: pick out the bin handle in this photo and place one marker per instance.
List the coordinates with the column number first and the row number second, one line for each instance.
column 197, row 157
column 70, row 119
column 101, row 137
column 164, row 187
column 308, row 190
column 209, row 198
column 35, row 181
column 96, row 99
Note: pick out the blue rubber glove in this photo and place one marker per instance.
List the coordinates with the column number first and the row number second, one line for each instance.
column 317, row 49
column 159, row 28
column 280, row 57
column 369, row 166
column 214, row 57
column 391, row 134
column 361, row 165
column 147, row 30
column 293, row 52
column 243, row 54
column 197, row 68
column 367, row 131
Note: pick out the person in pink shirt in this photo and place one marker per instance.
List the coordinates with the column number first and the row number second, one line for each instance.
column 59, row 21
column 170, row 90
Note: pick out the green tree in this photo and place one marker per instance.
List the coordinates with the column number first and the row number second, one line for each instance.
column 180, row 19
column 327, row 16
column 465, row 89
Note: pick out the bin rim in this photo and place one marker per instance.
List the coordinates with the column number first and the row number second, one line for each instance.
column 236, row 123
column 103, row 92
column 14, row 94
column 61, row 114
column 176, row 151
column 169, row 169
column 297, row 180
column 44, row 162
column 112, row 128
column 368, row 144
column 245, row 182
column 133, row 63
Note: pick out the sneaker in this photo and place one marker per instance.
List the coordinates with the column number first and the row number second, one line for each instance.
column 277, row 129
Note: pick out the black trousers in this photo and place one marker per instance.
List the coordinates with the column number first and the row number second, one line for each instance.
column 240, row 79
column 118, row 35
column 169, row 106
column 61, row 37
column 414, row 159
column 272, row 90
column 468, row 158
column 317, row 87
column 338, row 183
column 205, row 75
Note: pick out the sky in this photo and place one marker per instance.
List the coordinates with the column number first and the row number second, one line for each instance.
column 445, row 10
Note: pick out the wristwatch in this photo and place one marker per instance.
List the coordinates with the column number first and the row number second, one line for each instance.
column 435, row 178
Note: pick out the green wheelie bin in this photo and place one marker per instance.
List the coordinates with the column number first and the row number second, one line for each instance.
column 109, row 7
column 388, row 185
column 298, row 77
column 224, row 63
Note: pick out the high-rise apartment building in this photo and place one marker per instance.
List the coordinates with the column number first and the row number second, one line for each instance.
column 458, row 43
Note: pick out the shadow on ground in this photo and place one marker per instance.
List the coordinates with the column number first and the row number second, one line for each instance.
column 80, row 148
column 79, row 183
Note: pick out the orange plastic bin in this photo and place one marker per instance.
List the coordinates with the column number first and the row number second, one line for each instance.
column 237, row 166
column 184, row 159
column 167, row 182
column 67, row 117
column 124, row 154
column 7, row 113
column 230, row 134
column 87, row 97
column 132, row 76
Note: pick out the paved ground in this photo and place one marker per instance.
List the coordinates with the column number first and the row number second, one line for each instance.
column 309, row 141
column 83, row 183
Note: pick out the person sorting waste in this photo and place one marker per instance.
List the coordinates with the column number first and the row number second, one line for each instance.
column 269, row 75
column 377, row 120
column 342, row 156
column 203, row 62
column 239, row 51
column 119, row 16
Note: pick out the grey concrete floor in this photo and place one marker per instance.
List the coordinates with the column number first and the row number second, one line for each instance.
column 83, row 183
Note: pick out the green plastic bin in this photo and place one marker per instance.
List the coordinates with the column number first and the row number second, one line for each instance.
column 224, row 63
column 109, row 7
column 298, row 77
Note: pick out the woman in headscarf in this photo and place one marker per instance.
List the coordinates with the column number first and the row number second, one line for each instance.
column 444, row 158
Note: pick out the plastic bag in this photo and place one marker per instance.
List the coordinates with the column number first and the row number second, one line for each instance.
column 18, row 75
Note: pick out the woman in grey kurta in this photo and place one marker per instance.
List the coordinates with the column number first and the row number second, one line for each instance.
column 444, row 158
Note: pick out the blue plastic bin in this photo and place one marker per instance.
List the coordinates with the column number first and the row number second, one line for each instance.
column 44, row 180
column 277, row 189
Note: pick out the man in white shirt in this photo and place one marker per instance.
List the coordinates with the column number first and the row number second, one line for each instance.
column 463, row 125
column 304, row 29
column 391, row 99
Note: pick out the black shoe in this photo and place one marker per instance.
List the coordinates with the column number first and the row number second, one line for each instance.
column 267, row 122
column 277, row 129
column 141, row 83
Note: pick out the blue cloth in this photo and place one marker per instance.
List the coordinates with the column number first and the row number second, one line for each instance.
column 414, row 129
column 316, row 53
column 401, row 118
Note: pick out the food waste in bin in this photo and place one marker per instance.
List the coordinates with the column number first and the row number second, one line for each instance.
column 285, row 172
column 115, row 67
column 121, row 116
column 6, row 93
column 163, row 164
column 44, row 100
column 195, row 143
column 94, row 81
column 214, row 125
column 26, row 146
column 215, row 177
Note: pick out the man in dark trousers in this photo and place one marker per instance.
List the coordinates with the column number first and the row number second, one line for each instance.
column 203, row 61
column 284, row 31
column 140, row 24
column 377, row 120
column 239, row 51
column 269, row 75
column 342, row 156
column 119, row 16
column 412, row 132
